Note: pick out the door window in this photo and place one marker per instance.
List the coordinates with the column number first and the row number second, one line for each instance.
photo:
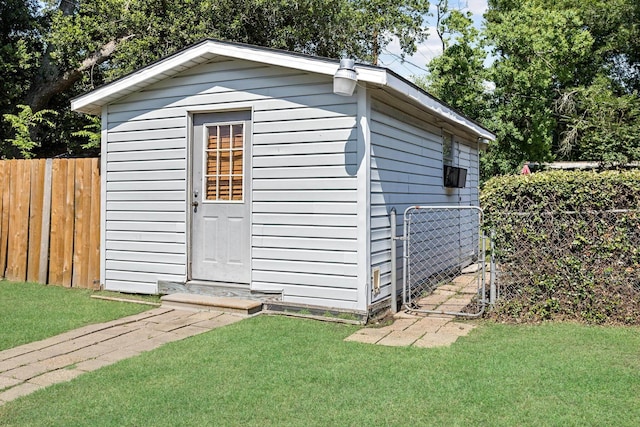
column 224, row 150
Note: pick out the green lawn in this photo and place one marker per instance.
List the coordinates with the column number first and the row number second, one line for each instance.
column 278, row 371
column 31, row 312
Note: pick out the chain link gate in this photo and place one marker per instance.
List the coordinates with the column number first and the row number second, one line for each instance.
column 440, row 243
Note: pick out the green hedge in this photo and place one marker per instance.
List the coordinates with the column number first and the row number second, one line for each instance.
column 567, row 245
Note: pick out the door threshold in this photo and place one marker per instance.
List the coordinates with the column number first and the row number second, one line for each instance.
column 231, row 285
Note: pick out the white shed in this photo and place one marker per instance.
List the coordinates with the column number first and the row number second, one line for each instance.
column 234, row 164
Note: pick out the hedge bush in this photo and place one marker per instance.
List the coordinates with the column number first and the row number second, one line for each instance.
column 567, row 246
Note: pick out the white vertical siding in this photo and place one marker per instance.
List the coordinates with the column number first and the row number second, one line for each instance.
column 407, row 170
column 304, row 186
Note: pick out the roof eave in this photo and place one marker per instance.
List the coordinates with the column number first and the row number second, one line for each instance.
column 437, row 108
column 92, row 102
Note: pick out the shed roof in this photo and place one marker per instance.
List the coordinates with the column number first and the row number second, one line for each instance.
column 92, row 102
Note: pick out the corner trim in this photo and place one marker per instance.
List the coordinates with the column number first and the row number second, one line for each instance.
column 364, row 198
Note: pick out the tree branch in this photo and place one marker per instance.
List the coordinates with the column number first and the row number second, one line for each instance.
column 54, row 83
column 102, row 54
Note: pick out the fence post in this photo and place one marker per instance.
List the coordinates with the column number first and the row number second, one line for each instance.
column 492, row 271
column 405, row 258
column 394, row 283
column 46, row 224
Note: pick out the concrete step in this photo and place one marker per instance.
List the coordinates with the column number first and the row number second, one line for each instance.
column 196, row 302
column 216, row 289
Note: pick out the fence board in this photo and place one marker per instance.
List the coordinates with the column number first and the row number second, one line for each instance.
column 94, row 232
column 5, row 176
column 82, row 223
column 18, row 244
column 37, row 170
column 69, row 216
column 50, row 221
column 56, row 242
column 14, row 215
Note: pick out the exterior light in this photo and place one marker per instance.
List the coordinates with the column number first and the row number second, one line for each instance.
column 344, row 80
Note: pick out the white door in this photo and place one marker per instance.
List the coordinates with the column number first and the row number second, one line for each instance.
column 220, row 240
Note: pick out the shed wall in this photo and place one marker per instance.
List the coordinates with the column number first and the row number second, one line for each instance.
column 407, row 170
column 303, row 187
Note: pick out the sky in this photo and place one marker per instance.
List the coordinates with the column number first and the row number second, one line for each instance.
column 415, row 65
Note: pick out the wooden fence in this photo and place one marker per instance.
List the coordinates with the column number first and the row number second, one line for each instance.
column 50, row 221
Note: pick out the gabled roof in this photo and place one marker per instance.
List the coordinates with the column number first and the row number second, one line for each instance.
column 92, row 102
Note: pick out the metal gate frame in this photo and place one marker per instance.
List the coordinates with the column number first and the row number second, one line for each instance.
column 417, row 236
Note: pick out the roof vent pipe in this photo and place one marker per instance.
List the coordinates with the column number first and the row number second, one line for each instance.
column 344, row 80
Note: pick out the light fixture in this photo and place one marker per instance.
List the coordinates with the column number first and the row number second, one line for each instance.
column 344, row 80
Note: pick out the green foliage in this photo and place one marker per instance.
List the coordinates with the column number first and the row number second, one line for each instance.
column 377, row 21
column 564, row 81
column 562, row 191
column 458, row 77
column 18, row 53
column 567, row 245
column 59, row 49
column 23, row 123
column 540, row 50
column 91, row 132
column 602, row 125
column 560, row 85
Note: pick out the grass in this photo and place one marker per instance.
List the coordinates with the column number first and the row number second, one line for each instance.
column 280, row 371
column 31, row 312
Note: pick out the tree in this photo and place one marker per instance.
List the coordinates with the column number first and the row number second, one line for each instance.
column 379, row 20
column 564, row 73
column 600, row 124
column 19, row 31
column 458, row 76
column 540, row 52
column 81, row 44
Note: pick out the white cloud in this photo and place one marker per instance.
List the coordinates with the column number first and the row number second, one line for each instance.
column 477, row 7
column 415, row 64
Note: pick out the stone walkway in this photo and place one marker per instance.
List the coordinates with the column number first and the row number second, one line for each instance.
column 427, row 330
column 36, row 365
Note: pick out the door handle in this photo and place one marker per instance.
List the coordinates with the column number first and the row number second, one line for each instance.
column 195, row 205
